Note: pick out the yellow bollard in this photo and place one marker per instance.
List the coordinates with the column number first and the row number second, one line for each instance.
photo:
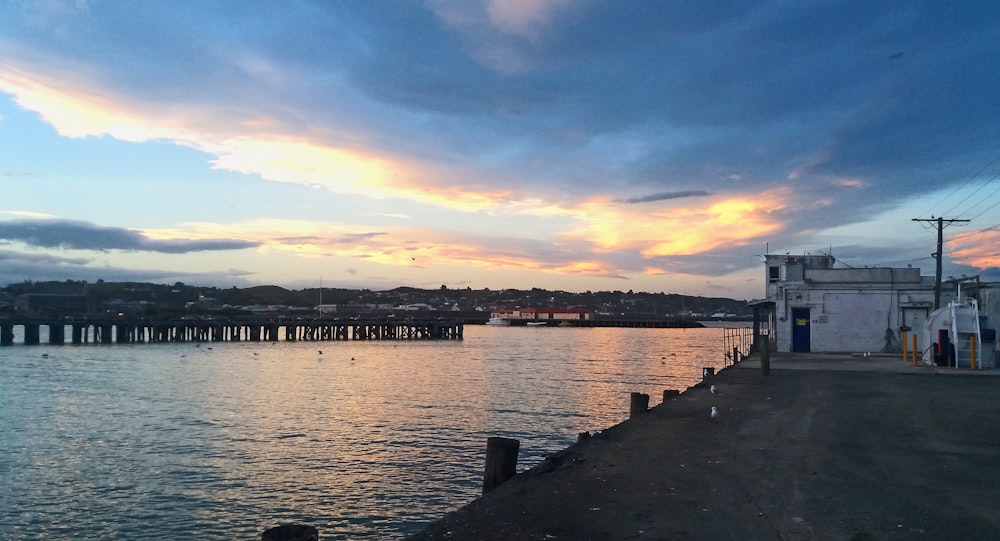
column 972, row 351
column 914, row 349
column 904, row 339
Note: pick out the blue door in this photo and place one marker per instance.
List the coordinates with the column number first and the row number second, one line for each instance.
column 800, row 330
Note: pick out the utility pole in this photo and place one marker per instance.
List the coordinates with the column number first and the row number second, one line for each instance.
column 939, row 255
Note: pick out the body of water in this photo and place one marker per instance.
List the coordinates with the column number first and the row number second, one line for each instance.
column 364, row 440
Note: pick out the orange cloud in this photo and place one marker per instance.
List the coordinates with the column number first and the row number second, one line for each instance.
column 978, row 249
column 665, row 228
column 76, row 107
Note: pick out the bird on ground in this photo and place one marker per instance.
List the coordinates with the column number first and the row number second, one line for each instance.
column 715, row 412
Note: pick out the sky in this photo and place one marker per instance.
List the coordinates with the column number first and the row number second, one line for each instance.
column 563, row 144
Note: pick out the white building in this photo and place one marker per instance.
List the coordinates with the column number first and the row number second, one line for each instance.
column 542, row 314
column 816, row 307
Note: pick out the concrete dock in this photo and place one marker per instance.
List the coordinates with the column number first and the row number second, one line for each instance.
column 826, row 447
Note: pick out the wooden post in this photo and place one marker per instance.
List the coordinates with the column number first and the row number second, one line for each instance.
column 501, row 461
column 291, row 532
column 31, row 334
column 6, row 334
column 904, row 338
column 765, row 358
column 639, row 404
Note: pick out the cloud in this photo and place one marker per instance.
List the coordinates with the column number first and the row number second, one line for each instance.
column 978, row 249
column 666, row 195
column 78, row 235
column 19, row 267
column 9, row 257
column 741, row 121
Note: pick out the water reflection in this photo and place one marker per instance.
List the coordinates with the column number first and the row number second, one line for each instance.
column 366, row 440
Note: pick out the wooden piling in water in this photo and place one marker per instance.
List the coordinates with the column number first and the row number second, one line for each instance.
column 501, row 461
column 57, row 334
column 6, row 334
column 32, row 334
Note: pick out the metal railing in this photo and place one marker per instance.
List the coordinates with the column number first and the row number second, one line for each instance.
column 737, row 344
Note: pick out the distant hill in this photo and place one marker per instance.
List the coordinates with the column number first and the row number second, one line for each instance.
column 179, row 295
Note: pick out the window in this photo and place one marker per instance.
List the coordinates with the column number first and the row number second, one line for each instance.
column 773, row 274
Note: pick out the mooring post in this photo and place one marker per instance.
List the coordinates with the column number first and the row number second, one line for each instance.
column 639, row 404
column 670, row 393
column 708, row 372
column 765, row 358
column 736, row 354
column 291, row 532
column 501, row 461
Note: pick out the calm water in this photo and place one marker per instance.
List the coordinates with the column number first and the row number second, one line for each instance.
column 366, row 440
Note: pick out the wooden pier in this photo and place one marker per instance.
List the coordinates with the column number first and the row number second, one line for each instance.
column 132, row 331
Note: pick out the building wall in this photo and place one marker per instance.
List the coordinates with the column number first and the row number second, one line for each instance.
column 850, row 310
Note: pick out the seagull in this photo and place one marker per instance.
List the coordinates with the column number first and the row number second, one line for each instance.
column 714, row 390
column 321, row 352
column 715, row 412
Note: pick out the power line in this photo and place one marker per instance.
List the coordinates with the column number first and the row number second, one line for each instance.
column 983, row 230
column 964, row 184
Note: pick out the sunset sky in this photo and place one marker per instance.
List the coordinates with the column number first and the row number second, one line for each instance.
column 562, row 144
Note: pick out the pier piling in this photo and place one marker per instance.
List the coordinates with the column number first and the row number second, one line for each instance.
column 129, row 330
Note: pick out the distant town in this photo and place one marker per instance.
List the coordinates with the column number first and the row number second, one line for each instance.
column 42, row 299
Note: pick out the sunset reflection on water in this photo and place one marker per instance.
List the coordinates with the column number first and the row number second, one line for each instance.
column 363, row 439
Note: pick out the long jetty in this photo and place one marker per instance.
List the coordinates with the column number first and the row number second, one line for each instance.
column 141, row 330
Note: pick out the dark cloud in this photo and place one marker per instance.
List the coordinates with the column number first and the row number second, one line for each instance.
column 19, row 258
column 354, row 238
column 78, row 235
column 666, row 195
column 674, row 99
column 19, row 267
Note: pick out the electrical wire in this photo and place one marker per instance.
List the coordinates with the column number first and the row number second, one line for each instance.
column 964, row 184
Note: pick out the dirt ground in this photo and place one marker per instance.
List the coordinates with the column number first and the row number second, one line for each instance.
column 831, row 452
